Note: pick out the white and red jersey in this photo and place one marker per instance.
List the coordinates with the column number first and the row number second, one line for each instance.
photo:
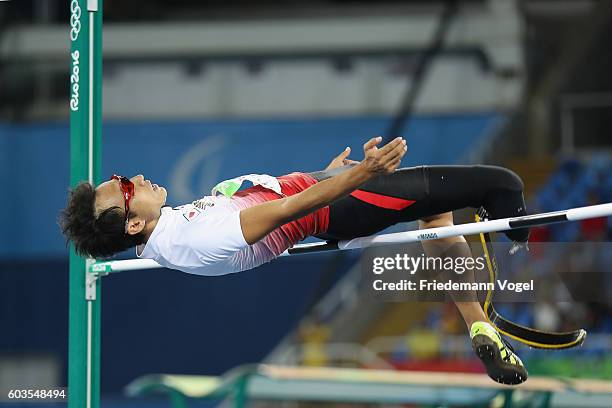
column 205, row 237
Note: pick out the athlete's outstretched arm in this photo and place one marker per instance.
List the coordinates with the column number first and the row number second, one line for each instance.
column 260, row 220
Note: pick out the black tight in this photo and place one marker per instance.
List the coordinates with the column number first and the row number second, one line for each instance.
column 435, row 190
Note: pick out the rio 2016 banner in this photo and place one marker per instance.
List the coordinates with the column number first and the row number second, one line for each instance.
column 75, row 31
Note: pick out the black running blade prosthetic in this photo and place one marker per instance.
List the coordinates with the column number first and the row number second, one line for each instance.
column 531, row 337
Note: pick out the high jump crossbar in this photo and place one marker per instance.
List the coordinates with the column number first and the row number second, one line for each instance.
column 502, row 224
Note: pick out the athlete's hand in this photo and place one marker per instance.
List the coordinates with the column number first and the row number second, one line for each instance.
column 341, row 160
column 386, row 159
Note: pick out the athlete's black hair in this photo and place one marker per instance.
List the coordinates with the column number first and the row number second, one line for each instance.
column 98, row 237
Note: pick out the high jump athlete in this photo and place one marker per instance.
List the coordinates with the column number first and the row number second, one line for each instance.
column 240, row 230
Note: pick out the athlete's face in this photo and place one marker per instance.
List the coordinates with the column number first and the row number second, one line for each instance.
column 144, row 206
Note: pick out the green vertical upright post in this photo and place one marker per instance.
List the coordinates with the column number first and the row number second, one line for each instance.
column 85, row 161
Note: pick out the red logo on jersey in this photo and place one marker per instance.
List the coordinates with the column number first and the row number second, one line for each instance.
column 191, row 213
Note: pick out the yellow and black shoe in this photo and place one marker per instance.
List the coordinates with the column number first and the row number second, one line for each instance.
column 497, row 355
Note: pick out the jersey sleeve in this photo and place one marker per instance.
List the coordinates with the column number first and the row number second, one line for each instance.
column 215, row 238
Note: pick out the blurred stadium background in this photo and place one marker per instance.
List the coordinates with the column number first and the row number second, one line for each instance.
column 200, row 91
